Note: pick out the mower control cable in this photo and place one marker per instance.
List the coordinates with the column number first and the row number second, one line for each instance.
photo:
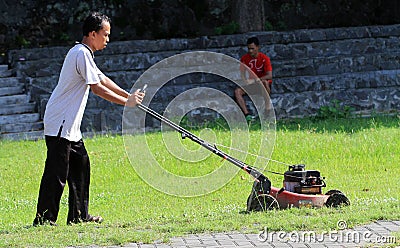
column 269, row 159
column 255, row 155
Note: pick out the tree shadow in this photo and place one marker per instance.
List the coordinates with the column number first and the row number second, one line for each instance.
column 348, row 125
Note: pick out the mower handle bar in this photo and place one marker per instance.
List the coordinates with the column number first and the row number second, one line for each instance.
column 186, row 134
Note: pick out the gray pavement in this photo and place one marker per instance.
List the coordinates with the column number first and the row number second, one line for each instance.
column 375, row 234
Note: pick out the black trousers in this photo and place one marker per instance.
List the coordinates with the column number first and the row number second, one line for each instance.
column 66, row 162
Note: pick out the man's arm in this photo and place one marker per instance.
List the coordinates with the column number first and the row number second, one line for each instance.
column 267, row 68
column 107, row 82
column 267, row 76
column 104, row 92
column 245, row 73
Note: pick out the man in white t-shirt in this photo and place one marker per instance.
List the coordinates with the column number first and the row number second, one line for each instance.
column 67, row 159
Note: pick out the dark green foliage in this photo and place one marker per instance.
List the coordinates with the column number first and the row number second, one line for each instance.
column 230, row 28
column 335, row 110
column 155, row 19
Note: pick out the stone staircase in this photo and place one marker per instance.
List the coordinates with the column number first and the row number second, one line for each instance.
column 359, row 66
column 18, row 116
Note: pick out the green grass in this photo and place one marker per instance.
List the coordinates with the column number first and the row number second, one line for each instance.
column 361, row 157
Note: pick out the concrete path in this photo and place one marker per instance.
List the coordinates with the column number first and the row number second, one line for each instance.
column 376, row 234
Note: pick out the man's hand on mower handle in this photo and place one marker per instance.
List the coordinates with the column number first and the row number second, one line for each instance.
column 135, row 98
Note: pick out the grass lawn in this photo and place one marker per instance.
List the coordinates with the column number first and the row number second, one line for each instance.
column 361, row 157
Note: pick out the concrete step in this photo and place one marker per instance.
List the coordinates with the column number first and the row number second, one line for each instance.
column 32, row 135
column 288, row 67
column 15, row 99
column 17, row 109
column 333, row 65
column 9, row 81
column 5, row 72
column 348, row 80
column 12, row 90
column 3, row 69
column 268, row 39
column 19, row 118
column 47, row 83
column 21, row 127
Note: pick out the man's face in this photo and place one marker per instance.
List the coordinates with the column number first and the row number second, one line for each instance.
column 101, row 37
column 252, row 49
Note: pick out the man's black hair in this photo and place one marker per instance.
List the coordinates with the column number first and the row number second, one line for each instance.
column 254, row 40
column 94, row 22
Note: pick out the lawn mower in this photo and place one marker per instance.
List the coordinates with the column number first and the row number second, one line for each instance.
column 301, row 188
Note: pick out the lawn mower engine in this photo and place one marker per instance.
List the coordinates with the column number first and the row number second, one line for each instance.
column 301, row 181
column 301, row 188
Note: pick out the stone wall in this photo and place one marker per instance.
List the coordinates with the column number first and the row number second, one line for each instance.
column 29, row 23
column 358, row 66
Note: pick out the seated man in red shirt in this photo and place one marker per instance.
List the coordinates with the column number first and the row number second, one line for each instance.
column 261, row 73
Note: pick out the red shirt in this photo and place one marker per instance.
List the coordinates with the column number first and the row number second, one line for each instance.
column 259, row 65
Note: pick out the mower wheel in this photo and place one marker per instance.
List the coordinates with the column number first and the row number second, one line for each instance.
column 336, row 200
column 263, row 202
column 334, row 191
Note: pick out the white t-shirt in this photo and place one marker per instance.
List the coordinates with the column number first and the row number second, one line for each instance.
column 68, row 101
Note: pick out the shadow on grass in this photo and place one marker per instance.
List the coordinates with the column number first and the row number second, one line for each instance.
column 341, row 125
column 349, row 125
